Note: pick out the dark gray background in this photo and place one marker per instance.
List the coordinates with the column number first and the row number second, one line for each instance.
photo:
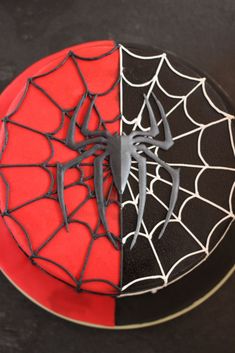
column 203, row 32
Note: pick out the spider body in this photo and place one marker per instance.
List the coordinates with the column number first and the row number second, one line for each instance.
column 120, row 150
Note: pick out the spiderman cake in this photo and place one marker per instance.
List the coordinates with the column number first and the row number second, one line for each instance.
column 116, row 184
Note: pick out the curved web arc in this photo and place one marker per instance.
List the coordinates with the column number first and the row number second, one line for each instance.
column 200, row 83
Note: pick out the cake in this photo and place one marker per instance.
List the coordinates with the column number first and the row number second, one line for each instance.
column 116, row 184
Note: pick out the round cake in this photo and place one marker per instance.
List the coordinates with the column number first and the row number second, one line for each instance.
column 116, row 184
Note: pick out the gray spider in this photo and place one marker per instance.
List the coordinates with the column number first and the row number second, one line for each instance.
column 120, row 150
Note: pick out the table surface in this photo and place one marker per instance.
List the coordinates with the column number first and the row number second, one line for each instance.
column 202, row 32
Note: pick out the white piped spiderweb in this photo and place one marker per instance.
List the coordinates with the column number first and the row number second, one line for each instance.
column 197, row 130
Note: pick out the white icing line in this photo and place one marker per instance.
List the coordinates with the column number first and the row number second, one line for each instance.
column 225, row 232
column 157, row 258
column 185, row 97
column 140, row 56
column 136, row 207
column 138, row 119
column 201, row 129
column 231, row 199
column 213, row 229
column 140, row 280
column 215, row 167
column 147, row 83
column 199, row 147
column 218, row 110
column 181, row 74
column 159, row 225
column 232, row 139
column 197, row 180
column 174, row 96
column 180, row 260
column 189, row 116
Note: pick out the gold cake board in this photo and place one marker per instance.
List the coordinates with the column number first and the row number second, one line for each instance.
column 140, row 325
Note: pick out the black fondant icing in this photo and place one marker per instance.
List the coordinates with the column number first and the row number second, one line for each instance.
column 147, row 308
column 199, row 215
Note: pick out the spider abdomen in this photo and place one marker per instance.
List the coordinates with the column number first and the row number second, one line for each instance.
column 120, row 149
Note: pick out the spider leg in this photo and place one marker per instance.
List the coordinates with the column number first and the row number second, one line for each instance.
column 168, row 137
column 61, row 169
column 142, row 193
column 70, row 140
column 168, row 142
column 174, row 173
column 85, row 131
column 154, row 130
column 98, row 180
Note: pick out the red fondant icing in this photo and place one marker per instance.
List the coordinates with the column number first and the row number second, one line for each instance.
column 41, row 217
column 49, row 292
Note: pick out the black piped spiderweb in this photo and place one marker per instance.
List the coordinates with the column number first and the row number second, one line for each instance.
column 56, row 136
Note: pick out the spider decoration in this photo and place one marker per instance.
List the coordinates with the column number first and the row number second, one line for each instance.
column 120, row 150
